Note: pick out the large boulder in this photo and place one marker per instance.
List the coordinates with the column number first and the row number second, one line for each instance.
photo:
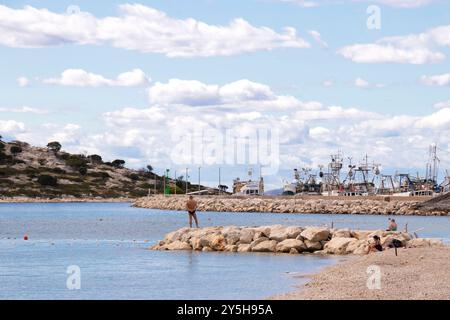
column 245, row 247
column 288, row 244
column 338, row 245
column 232, row 238
column 178, row 245
column 218, row 243
column 195, row 243
column 342, row 233
column 424, row 242
column 357, row 247
column 313, row 246
column 278, row 233
column 293, row 232
column 175, row 235
column 265, row 246
column 315, row 234
column 246, row 236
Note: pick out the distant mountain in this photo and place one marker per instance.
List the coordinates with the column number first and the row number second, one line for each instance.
column 49, row 172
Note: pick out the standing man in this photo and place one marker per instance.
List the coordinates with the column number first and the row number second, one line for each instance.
column 191, row 206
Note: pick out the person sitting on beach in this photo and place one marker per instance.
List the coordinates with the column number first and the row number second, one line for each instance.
column 191, row 206
column 392, row 225
column 376, row 245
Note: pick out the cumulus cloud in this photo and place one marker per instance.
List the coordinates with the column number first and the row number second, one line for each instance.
column 442, row 104
column 411, row 49
column 140, row 28
column 82, row 78
column 11, row 127
column 308, row 130
column 437, row 80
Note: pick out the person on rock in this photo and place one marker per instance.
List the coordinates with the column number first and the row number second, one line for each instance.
column 392, row 225
column 375, row 246
column 191, row 206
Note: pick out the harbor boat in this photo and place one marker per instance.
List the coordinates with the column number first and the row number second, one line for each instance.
column 248, row 187
column 445, row 185
column 305, row 184
column 331, row 180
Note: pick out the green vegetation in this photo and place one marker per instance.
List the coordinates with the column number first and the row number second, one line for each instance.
column 46, row 180
column 54, row 146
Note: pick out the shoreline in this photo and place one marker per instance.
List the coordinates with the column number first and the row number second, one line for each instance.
column 64, row 200
column 415, row 274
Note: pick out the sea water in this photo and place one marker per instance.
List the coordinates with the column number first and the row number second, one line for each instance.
column 109, row 243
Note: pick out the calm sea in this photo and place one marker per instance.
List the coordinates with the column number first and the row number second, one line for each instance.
column 109, row 242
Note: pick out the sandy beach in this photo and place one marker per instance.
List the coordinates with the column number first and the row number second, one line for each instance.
column 415, row 274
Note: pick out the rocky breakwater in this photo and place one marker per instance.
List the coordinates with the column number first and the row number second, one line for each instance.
column 372, row 205
column 284, row 239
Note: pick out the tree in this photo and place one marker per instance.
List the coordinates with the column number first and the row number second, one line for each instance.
column 82, row 171
column 76, row 161
column 15, row 150
column 54, row 146
column 46, row 180
column 149, row 168
column 96, row 159
column 118, row 163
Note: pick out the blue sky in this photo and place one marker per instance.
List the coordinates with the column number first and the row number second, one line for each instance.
column 94, row 118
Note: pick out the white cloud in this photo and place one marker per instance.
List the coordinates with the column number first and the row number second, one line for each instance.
column 437, row 80
column 413, row 49
column 318, row 38
column 442, row 104
column 309, row 131
column 391, row 3
column 24, row 109
column 11, row 127
column 141, row 28
column 82, row 78
column 364, row 84
column 23, row 82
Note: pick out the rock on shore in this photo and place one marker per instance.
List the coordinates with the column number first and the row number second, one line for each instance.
column 362, row 205
column 284, row 239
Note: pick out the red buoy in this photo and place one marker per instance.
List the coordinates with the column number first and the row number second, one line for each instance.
column 25, row 237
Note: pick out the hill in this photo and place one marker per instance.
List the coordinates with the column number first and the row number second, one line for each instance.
column 27, row 171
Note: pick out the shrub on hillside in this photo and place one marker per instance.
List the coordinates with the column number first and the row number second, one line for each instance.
column 95, row 159
column 15, row 150
column 76, row 161
column 46, row 180
column 118, row 163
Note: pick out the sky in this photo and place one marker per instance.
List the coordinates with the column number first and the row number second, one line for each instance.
column 149, row 82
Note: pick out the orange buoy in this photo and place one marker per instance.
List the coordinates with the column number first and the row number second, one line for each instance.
column 25, row 237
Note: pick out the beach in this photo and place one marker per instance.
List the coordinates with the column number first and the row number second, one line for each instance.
column 415, row 274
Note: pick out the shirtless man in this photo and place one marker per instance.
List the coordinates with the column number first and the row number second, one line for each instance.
column 191, row 206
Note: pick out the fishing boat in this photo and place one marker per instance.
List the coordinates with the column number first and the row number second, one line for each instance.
column 248, row 187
